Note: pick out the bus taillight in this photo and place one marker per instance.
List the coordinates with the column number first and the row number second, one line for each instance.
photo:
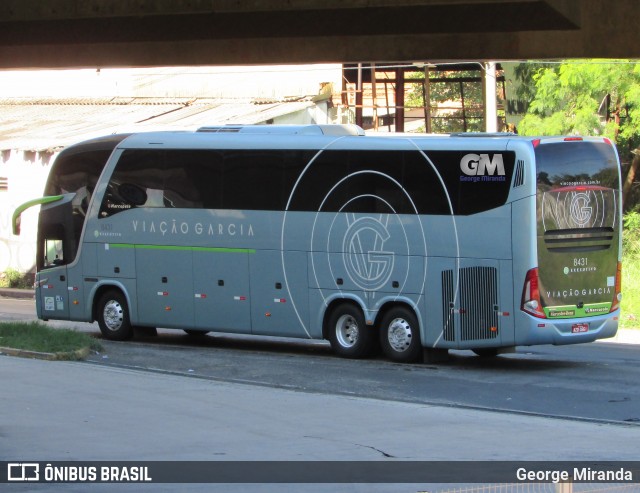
column 531, row 295
column 617, row 296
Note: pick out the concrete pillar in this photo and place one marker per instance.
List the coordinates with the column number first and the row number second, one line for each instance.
column 399, row 100
column 490, row 98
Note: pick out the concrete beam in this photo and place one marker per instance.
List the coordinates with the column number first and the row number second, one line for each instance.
column 31, row 10
column 94, row 33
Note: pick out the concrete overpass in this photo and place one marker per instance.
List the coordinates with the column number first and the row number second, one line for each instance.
column 119, row 33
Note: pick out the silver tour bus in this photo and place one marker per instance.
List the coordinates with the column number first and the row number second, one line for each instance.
column 415, row 244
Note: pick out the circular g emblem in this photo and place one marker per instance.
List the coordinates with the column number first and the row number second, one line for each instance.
column 369, row 266
column 580, row 210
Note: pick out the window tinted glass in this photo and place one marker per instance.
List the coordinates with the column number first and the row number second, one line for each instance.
column 79, row 173
column 423, row 185
column 401, row 182
column 322, row 187
column 487, row 189
column 576, row 163
column 371, row 181
column 259, row 179
column 233, row 179
column 138, row 181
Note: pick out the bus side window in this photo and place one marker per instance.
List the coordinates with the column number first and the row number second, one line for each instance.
column 53, row 253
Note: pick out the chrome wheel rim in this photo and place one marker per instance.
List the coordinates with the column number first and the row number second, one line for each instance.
column 399, row 335
column 347, row 331
column 113, row 315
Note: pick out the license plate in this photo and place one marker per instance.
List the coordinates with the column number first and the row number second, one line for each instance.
column 578, row 328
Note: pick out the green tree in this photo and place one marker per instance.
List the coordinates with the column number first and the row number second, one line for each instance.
column 589, row 98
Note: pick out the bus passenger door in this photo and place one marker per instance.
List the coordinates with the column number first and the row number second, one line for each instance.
column 52, row 295
column 57, row 245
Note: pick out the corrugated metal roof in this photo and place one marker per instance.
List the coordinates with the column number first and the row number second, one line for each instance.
column 45, row 124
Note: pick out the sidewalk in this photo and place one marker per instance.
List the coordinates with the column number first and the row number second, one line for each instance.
column 80, row 411
column 625, row 336
column 17, row 293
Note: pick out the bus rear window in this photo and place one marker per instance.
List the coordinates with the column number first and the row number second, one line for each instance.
column 577, row 186
column 576, row 163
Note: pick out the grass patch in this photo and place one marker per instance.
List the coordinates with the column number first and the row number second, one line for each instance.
column 630, row 305
column 11, row 278
column 34, row 336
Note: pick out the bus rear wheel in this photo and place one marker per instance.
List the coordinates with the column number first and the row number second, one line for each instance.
column 348, row 333
column 113, row 316
column 400, row 335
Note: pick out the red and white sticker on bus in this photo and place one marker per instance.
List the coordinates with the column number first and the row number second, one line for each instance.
column 579, row 328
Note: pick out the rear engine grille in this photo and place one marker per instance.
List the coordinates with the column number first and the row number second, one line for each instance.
column 447, row 305
column 478, row 301
column 578, row 240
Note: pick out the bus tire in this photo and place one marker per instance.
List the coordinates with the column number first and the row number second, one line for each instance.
column 400, row 335
column 113, row 316
column 348, row 333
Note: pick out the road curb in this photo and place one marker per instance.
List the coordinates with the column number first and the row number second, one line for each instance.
column 78, row 354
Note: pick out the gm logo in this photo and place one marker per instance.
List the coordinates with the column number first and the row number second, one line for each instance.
column 482, row 164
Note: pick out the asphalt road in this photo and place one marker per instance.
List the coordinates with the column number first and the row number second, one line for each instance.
column 597, row 382
column 223, row 398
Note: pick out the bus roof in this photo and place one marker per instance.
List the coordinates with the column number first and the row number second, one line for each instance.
column 317, row 136
column 104, row 143
column 335, row 130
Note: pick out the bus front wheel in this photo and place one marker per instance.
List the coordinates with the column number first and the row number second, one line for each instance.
column 400, row 335
column 113, row 316
column 348, row 333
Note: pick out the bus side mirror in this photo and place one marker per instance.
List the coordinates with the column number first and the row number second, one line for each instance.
column 16, row 225
column 17, row 214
